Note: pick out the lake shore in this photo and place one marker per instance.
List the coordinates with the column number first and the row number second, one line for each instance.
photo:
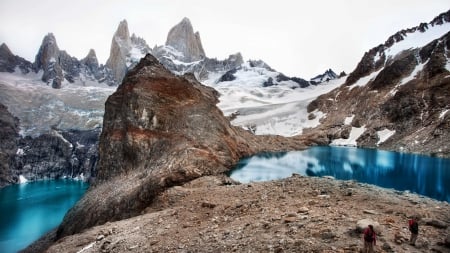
column 297, row 214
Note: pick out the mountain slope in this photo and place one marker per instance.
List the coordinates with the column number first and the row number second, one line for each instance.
column 397, row 97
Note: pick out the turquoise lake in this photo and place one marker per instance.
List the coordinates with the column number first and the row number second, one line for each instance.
column 425, row 175
column 30, row 210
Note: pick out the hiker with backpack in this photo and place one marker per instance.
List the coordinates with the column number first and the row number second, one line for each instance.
column 414, row 229
column 370, row 239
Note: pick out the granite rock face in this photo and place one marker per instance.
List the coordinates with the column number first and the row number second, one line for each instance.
column 47, row 59
column 160, row 130
column 125, row 51
column 120, row 46
column 182, row 38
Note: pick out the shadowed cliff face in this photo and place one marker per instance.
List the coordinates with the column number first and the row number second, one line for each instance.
column 160, row 130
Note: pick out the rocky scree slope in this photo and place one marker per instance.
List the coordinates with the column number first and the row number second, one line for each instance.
column 405, row 94
column 297, row 214
column 160, row 130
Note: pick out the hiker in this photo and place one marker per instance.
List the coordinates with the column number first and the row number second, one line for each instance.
column 414, row 229
column 369, row 238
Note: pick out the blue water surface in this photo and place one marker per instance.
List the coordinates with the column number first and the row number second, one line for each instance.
column 425, row 175
column 28, row 211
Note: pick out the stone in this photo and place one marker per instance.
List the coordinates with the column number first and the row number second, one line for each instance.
column 303, row 210
column 364, row 223
column 370, row 212
column 434, row 222
column 208, row 205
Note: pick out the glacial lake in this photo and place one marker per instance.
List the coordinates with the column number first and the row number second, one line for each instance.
column 29, row 210
column 425, row 175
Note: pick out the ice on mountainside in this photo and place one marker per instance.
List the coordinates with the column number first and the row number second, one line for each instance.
column 41, row 108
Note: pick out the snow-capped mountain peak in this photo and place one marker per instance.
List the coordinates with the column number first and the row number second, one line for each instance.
column 406, row 39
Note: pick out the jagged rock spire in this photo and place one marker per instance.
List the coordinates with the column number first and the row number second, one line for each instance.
column 47, row 59
column 182, row 38
column 120, row 46
column 91, row 60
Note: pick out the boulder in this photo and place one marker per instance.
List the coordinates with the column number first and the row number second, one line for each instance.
column 364, row 223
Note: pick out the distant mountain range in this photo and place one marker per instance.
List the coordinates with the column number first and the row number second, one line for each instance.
column 182, row 53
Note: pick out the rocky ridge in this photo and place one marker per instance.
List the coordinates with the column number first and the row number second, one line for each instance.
column 10, row 62
column 328, row 75
column 397, row 101
column 58, row 66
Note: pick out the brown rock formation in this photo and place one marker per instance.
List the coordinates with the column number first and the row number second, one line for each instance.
column 160, row 130
column 182, row 38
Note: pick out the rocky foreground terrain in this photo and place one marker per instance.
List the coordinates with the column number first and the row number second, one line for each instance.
column 161, row 186
column 298, row 214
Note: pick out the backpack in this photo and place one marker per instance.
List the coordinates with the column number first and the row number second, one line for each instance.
column 414, row 227
column 368, row 236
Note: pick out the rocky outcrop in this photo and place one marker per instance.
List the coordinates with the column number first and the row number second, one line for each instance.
column 9, row 132
column 398, row 102
column 160, row 130
column 11, row 63
column 182, row 38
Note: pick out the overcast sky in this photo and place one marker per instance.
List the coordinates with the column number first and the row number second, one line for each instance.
column 301, row 38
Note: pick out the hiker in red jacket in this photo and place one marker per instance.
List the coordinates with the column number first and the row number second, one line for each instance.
column 414, row 229
column 370, row 239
